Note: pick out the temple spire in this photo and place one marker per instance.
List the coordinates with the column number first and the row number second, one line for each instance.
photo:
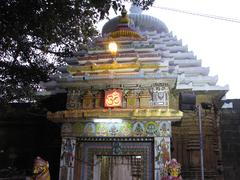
column 124, row 19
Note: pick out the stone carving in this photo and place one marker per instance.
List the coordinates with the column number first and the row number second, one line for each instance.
column 144, row 99
column 73, row 99
column 99, row 100
column 88, row 100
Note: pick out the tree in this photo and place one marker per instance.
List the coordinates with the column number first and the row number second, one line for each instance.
column 36, row 34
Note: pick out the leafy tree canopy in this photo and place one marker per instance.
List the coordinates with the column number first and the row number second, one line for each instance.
column 36, row 34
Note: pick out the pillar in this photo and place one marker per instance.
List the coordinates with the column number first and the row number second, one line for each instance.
column 162, row 149
column 67, row 158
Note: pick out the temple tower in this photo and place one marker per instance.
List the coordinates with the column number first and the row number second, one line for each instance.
column 122, row 111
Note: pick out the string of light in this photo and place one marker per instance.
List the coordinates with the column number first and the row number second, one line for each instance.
column 199, row 14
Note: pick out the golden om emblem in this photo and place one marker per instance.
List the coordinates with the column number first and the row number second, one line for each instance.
column 113, row 99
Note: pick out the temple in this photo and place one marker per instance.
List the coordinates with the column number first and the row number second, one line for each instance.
column 122, row 117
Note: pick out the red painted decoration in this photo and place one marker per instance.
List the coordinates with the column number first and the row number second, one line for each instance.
column 113, row 98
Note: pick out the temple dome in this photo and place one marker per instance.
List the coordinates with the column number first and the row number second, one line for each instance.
column 141, row 21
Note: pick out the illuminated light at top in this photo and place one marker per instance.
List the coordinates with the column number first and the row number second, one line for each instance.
column 112, row 46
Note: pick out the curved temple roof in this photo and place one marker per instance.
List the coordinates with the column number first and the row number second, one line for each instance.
column 139, row 21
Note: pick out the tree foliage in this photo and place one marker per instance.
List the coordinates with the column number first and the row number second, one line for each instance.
column 36, row 34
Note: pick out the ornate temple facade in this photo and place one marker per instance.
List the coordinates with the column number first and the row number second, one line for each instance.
column 122, row 118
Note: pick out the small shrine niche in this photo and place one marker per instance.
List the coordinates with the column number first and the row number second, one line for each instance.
column 160, row 93
column 88, row 100
column 99, row 99
column 144, row 98
column 131, row 99
column 73, row 99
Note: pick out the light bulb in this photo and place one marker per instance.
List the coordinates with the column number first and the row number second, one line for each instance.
column 112, row 46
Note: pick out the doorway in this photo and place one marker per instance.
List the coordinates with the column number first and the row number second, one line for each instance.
column 118, row 168
column 115, row 158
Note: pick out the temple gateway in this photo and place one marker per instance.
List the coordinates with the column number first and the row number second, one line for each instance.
column 122, row 117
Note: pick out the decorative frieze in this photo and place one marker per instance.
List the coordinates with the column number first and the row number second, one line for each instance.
column 124, row 129
column 134, row 114
column 111, row 139
column 157, row 95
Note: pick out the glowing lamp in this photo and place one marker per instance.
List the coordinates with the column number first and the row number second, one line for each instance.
column 112, row 46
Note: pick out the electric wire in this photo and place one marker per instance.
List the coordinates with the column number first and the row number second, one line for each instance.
column 199, row 14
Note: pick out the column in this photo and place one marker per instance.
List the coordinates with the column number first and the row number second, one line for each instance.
column 162, row 149
column 67, row 158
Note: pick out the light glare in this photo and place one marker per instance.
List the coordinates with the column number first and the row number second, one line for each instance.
column 112, row 46
column 107, row 120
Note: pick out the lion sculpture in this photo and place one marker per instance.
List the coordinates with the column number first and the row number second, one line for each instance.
column 40, row 169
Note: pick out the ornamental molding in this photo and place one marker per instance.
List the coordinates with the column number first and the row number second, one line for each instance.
column 119, row 139
column 131, row 114
column 114, row 66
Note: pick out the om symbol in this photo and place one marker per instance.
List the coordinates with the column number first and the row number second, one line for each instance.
column 113, row 99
